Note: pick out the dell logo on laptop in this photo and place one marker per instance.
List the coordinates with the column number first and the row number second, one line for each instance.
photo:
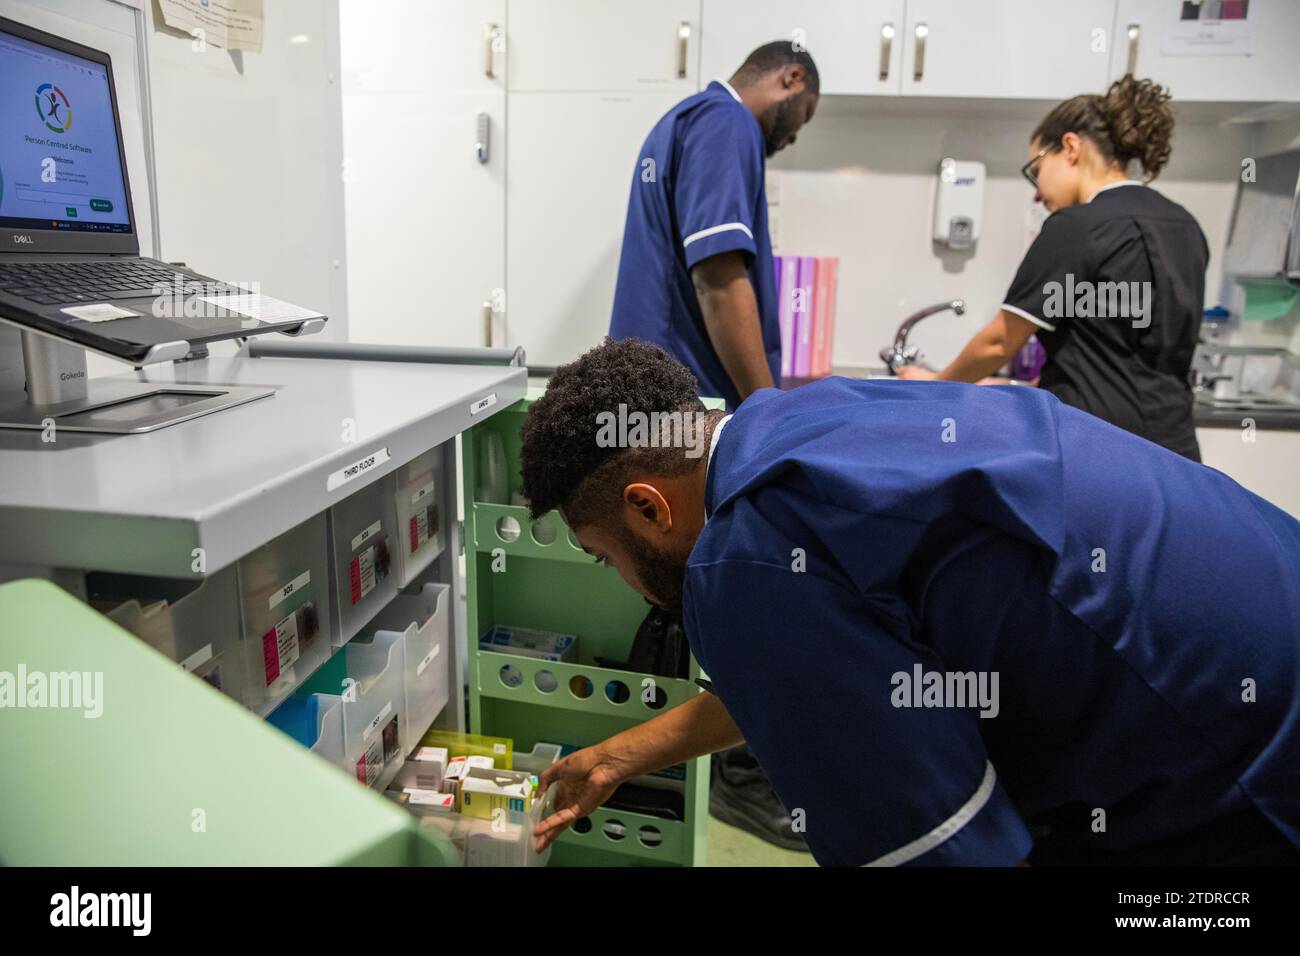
column 24, row 240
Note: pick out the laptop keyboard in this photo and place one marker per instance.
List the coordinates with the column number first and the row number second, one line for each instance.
column 55, row 283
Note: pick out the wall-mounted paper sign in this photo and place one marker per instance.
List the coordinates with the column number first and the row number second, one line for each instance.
column 1209, row 28
column 228, row 24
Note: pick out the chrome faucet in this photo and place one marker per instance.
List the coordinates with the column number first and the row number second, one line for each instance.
column 900, row 353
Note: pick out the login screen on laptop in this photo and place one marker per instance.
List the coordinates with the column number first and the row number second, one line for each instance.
column 60, row 167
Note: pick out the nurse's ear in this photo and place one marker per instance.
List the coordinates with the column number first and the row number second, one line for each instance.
column 1072, row 148
column 649, row 506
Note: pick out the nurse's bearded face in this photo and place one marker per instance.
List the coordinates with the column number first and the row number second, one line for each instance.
column 656, row 572
column 782, row 121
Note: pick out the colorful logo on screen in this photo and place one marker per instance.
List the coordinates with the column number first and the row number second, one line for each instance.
column 53, row 106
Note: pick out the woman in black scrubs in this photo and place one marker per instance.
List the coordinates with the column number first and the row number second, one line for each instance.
column 1114, row 284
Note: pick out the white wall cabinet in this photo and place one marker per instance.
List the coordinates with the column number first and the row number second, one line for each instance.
column 425, row 218
column 604, row 46
column 572, row 159
column 1006, row 48
column 1149, row 36
column 856, row 44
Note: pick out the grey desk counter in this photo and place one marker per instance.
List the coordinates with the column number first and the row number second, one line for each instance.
column 231, row 481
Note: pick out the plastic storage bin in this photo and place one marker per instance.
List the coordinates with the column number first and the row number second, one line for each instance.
column 374, row 745
column 423, row 621
column 316, row 722
column 362, row 537
column 419, row 521
column 505, row 841
column 285, row 603
column 198, row 627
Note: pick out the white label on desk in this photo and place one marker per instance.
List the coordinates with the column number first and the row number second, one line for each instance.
column 356, row 469
column 100, row 312
column 199, row 657
column 483, row 404
column 422, row 493
column 297, row 584
column 428, row 660
column 374, row 724
column 365, row 536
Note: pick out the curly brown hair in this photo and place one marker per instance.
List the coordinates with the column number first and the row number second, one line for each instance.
column 1131, row 121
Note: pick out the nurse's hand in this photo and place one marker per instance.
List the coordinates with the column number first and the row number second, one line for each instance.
column 583, row 781
column 916, row 373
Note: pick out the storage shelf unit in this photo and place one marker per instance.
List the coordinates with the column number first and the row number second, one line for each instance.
column 513, row 577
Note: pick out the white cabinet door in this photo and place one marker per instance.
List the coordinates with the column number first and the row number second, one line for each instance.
column 572, row 159
column 856, row 44
column 425, row 219
column 1196, row 59
column 1023, row 49
column 604, row 45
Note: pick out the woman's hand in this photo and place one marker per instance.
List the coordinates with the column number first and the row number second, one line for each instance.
column 916, row 373
column 583, row 781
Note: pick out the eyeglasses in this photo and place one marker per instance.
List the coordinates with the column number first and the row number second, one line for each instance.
column 1030, row 169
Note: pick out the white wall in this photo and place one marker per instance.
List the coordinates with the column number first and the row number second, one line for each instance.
column 859, row 184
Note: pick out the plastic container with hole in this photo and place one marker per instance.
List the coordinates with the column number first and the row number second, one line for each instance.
column 424, row 623
column 285, row 605
column 316, row 722
column 504, row 841
column 363, row 534
column 374, row 746
column 419, row 524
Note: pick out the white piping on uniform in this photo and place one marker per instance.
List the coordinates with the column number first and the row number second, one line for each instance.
column 965, row 813
column 1032, row 318
column 713, row 230
column 713, row 443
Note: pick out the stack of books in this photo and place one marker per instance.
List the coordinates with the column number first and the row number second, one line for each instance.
column 805, row 288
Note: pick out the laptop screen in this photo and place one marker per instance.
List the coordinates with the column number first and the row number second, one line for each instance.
column 60, row 161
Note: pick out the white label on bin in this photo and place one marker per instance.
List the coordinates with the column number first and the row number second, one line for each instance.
column 483, row 404
column 375, row 724
column 297, row 584
column 366, row 535
column 356, row 469
column 422, row 493
column 428, row 659
column 201, row 656
column 498, row 748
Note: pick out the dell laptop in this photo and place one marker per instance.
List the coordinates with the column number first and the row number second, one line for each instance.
column 70, row 263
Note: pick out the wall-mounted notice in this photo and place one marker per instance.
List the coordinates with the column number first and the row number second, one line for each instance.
column 229, row 24
column 1209, row 28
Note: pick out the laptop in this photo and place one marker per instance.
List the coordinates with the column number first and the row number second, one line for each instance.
column 70, row 263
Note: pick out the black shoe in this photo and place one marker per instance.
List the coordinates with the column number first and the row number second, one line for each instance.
column 740, row 794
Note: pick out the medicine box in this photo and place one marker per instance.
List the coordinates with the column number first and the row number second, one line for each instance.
column 484, row 791
column 529, row 642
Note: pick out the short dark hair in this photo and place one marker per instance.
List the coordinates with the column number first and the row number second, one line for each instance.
column 777, row 55
column 562, row 462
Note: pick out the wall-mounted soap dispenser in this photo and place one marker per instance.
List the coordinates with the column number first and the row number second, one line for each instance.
column 959, row 203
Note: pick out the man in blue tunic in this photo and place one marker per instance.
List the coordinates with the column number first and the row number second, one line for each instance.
column 957, row 625
column 695, row 274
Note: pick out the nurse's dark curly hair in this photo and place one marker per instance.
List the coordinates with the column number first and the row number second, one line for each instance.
column 563, row 465
column 1132, row 121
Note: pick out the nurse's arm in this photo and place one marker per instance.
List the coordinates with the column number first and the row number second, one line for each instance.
column 586, row 779
column 731, row 319
column 991, row 348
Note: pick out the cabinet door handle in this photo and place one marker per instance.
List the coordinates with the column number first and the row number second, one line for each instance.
column 1134, row 34
column 482, row 137
column 918, row 67
column 683, row 42
column 490, row 33
column 886, row 41
column 487, row 323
